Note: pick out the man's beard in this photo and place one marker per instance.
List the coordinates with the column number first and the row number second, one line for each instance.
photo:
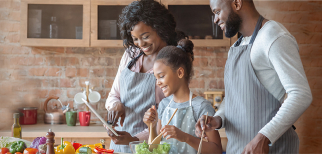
column 233, row 24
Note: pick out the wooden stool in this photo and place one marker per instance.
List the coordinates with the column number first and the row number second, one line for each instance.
column 219, row 94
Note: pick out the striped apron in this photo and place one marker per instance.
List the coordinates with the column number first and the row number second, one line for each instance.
column 248, row 104
column 137, row 92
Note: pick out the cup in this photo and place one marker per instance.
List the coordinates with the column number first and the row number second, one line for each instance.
column 71, row 118
column 84, row 118
column 94, row 97
column 78, row 97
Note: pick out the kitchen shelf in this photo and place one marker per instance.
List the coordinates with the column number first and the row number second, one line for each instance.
column 72, row 18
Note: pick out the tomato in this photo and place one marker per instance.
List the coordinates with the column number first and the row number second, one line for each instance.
column 110, row 151
column 4, row 150
column 18, row 153
column 30, row 151
column 8, row 153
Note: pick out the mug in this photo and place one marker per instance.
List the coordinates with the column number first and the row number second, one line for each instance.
column 84, row 118
column 71, row 118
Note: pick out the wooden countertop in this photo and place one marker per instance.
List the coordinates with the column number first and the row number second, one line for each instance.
column 92, row 131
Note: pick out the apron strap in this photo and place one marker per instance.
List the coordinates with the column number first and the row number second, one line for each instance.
column 257, row 28
column 133, row 61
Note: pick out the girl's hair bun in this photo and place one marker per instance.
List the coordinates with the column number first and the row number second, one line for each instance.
column 187, row 46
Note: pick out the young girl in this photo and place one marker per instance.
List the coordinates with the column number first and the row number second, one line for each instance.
column 173, row 71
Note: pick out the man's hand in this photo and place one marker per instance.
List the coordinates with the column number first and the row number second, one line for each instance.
column 115, row 112
column 212, row 124
column 259, row 144
column 124, row 138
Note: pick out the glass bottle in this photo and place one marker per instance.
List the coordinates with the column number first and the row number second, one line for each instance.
column 53, row 28
column 16, row 128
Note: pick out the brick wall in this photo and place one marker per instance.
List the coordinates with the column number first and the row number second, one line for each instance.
column 28, row 75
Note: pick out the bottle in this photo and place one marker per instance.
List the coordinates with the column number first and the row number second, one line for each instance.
column 50, row 142
column 53, row 28
column 16, row 128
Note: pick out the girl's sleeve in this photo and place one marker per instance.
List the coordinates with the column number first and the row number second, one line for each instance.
column 161, row 108
column 205, row 107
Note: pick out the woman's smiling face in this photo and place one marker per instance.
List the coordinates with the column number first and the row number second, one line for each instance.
column 147, row 39
column 167, row 79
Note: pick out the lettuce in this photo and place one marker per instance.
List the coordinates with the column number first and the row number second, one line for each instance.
column 143, row 148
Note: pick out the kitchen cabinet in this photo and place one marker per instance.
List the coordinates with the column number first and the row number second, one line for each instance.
column 104, row 17
column 196, row 23
column 55, row 23
column 93, row 23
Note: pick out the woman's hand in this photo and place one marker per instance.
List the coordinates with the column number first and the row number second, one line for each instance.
column 124, row 138
column 151, row 116
column 170, row 131
column 115, row 112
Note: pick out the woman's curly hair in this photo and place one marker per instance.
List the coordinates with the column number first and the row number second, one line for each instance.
column 153, row 14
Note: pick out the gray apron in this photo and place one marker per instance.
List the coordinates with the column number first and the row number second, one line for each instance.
column 248, row 104
column 185, row 121
column 137, row 92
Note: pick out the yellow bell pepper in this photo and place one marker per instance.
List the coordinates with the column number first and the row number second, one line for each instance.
column 65, row 148
column 92, row 146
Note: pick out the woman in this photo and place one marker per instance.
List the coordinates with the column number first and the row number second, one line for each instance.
column 146, row 27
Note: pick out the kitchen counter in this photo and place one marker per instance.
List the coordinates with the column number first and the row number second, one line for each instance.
column 92, row 134
column 92, row 131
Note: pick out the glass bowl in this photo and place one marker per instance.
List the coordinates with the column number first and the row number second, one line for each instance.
column 139, row 147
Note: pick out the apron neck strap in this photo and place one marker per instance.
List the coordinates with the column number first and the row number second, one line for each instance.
column 190, row 98
column 133, row 61
column 257, row 28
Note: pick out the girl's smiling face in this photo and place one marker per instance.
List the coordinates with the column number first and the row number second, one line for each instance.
column 167, row 79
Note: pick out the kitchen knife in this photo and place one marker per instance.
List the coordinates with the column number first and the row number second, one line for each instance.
column 99, row 117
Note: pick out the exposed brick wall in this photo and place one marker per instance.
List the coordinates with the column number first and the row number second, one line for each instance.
column 28, row 75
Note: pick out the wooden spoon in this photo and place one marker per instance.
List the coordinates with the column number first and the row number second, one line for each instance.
column 157, row 139
column 150, row 135
column 200, row 144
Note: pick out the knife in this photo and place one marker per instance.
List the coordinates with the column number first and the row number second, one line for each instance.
column 99, row 117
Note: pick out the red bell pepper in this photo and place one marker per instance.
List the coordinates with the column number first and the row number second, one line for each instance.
column 99, row 150
column 76, row 145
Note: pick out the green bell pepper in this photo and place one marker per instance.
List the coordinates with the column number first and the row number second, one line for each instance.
column 18, row 146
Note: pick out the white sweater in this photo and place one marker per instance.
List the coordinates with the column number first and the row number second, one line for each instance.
column 277, row 64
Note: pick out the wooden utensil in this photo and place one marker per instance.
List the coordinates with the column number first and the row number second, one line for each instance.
column 157, row 139
column 150, row 135
column 200, row 144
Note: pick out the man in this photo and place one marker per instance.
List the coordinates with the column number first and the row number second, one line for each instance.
column 262, row 67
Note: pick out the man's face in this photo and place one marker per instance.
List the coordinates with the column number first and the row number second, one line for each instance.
column 228, row 20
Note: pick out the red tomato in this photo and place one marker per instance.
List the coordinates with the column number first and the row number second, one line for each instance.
column 30, row 151
column 110, row 150
column 18, row 153
column 4, row 150
column 8, row 153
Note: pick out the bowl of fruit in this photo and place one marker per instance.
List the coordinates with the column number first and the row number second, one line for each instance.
column 142, row 147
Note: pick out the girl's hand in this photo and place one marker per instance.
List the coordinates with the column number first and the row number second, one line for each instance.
column 151, row 116
column 170, row 131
